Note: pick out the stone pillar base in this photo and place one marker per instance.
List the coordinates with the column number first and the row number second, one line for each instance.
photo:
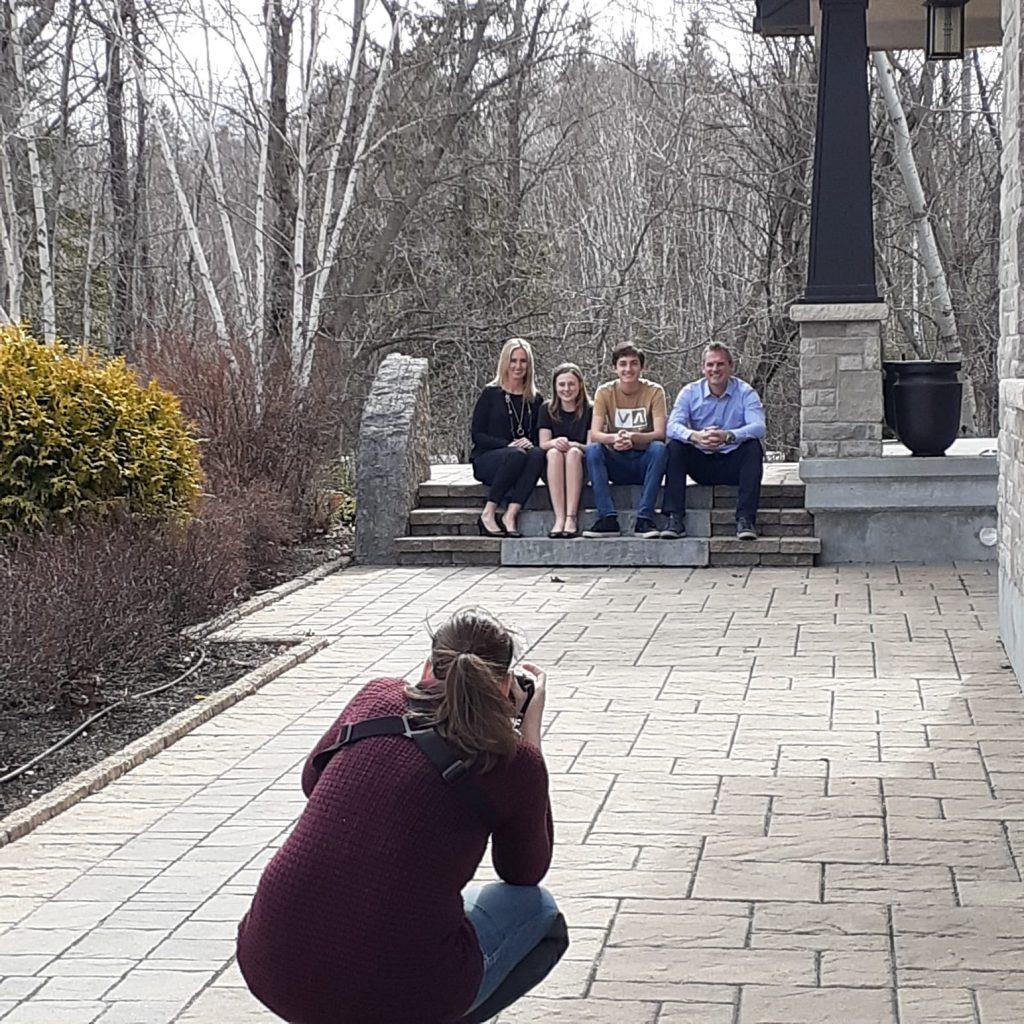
column 840, row 379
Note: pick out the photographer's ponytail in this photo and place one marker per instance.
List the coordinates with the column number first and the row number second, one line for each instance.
column 471, row 656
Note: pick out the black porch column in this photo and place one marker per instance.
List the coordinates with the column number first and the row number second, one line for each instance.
column 841, row 265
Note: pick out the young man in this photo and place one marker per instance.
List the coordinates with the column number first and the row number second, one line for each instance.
column 627, row 443
column 715, row 433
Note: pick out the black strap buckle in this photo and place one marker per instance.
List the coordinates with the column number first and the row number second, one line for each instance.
column 454, row 771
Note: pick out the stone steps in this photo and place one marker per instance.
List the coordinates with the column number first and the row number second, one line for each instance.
column 443, row 531
column 449, row 549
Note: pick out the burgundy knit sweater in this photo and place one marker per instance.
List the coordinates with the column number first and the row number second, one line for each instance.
column 358, row 918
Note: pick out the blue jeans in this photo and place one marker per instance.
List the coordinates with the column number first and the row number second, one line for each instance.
column 606, row 466
column 509, row 920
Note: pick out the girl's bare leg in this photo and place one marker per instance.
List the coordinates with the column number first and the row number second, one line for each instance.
column 556, row 486
column 575, row 471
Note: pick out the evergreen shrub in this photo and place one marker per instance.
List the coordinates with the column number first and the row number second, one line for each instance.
column 81, row 437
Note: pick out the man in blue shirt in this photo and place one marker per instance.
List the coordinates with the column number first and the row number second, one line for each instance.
column 714, row 433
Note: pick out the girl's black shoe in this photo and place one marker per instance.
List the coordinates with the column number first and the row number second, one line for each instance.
column 481, row 528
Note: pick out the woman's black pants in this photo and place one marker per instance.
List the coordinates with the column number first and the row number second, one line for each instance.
column 512, row 473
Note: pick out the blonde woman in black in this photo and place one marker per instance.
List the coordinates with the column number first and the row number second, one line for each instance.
column 564, row 424
column 506, row 453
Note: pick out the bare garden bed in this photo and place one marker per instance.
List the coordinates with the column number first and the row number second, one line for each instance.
column 28, row 731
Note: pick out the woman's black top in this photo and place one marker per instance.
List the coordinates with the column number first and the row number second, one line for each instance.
column 499, row 418
column 567, row 424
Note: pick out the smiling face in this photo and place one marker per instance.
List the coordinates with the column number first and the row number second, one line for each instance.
column 717, row 370
column 518, row 366
column 567, row 387
column 627, row 369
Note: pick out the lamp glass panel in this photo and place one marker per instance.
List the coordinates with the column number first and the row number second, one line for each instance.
column 945, row 33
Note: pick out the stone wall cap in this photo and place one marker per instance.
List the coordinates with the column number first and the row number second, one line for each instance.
column 897, row 467
column 832, row 312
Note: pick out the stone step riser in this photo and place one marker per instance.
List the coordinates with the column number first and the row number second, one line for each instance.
column 440, row 529
column 586, row 552
column 542, row 504
column 720, row 560
column 535, row 523
column 624, row 496
column 442, row 558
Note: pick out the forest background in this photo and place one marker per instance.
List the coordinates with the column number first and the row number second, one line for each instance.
column 257, row 202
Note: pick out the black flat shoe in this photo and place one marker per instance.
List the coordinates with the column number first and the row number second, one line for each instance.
column 506, row 530
column 556, row 534
column 481, row 528
column 570, row 534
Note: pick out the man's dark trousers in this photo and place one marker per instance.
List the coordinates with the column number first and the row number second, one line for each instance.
column 743, row 468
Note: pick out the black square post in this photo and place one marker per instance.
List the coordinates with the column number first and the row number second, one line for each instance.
column 841, row 266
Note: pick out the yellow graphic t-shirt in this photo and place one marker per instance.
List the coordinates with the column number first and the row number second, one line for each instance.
column 634, row 413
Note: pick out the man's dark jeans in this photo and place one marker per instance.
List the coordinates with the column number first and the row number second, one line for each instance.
column 743, row 468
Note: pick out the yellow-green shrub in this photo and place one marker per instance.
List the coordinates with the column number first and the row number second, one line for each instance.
column 80, row 436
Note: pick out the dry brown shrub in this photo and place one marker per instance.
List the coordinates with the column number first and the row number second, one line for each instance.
column 100, row 598
column 280, row 446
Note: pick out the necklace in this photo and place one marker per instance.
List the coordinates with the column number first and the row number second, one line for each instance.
column 515, row 419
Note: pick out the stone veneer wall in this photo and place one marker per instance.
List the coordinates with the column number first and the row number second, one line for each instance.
column 840, row 379
column 393, row 457
column 1011, row 346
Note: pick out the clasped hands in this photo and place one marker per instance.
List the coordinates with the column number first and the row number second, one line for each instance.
column 710, row 439
column 623, row 441
column 521, row 442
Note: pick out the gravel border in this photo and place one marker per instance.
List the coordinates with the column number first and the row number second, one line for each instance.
column 25, row 819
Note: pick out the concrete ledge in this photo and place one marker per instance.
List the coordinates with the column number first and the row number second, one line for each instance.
column 93, row 779
column 1011, row 621
column 615, row 551
column 902, row 509
column 900, row 482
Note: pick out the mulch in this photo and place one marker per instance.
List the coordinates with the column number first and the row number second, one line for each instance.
column 28, row 733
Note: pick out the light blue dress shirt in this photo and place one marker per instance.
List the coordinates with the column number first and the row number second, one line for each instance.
column 738, row 410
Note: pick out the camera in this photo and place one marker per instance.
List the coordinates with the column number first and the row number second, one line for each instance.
column 526, row 684
column 523, row 679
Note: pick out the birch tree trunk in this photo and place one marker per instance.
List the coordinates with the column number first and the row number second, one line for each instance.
column 46, row 294
column 219, row 192
column 327, row 253
column 935, row 276
column 191, row 230
column 298, row 260
column 120, row 198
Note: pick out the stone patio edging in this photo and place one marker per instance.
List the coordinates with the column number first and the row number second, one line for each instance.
column 266, row 597
column 91, row 780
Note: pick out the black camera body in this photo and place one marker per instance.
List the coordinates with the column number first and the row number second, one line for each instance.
column 526, row 683
column 524, row 680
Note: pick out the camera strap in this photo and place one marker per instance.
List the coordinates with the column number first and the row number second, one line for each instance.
column 450, row 762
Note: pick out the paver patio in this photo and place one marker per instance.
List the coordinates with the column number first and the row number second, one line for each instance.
column 782, row 797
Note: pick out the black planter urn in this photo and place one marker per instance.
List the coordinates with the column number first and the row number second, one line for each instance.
column 922, row 404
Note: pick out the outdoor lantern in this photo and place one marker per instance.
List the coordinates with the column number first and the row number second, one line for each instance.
column 783, row 18
column 945, row 29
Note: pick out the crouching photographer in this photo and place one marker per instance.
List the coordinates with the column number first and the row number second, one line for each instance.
column 367, row 913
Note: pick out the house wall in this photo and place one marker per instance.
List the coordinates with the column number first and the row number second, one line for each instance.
column 1011, row 348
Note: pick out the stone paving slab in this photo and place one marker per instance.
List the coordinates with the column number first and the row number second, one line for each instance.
column 790, row 796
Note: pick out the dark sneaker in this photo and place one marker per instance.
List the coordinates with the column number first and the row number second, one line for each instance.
column 646, row 529
column 745, row 530
column 676, row 527
column 608, row 526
